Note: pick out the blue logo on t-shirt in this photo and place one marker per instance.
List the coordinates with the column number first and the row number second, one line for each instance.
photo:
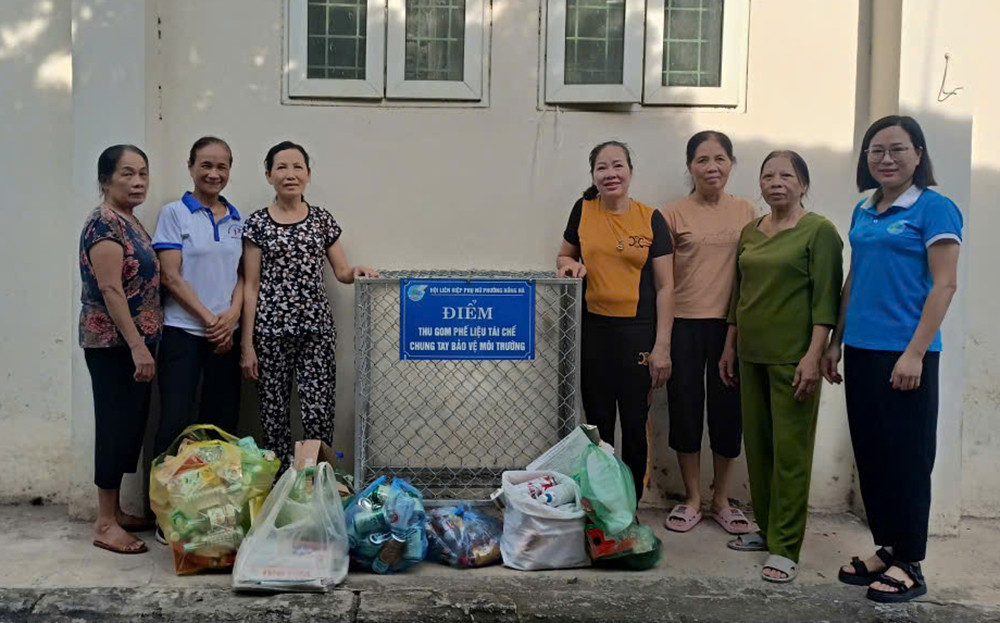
column 897, row 228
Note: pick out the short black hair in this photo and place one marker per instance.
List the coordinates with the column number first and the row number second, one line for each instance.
column 591, row 193
column 205, row 141
column 798, row 163
column 705, row 135
column 923, row 176
column 280, row 147
column 107, row 162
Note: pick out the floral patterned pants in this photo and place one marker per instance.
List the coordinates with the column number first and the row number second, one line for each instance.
column 310, row 359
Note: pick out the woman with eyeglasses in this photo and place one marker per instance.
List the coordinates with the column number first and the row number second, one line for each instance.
column 905, row 241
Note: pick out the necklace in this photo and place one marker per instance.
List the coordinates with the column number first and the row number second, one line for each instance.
column 620, row 236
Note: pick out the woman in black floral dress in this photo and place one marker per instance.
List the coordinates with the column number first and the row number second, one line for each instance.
column 287, row 324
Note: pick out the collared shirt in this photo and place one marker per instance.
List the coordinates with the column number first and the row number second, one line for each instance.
column 890, row 276
column 210, row 256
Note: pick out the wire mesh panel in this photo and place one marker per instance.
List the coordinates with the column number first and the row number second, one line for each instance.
column 453, row 427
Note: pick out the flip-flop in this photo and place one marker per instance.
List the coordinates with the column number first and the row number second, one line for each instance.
column 120, row 550
column 729, row 519
column 688, row 517
column 752, row 542
column 782, row 564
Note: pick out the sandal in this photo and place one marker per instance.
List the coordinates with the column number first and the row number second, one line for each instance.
column 782, row 564
column 121, row 550
column 732, row 520
column 752, row 542
column 862, row 576
column 903, row 593
column 682, row 518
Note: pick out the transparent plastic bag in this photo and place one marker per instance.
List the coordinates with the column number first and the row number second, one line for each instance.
column 299, row 541
column 462, row 537
column 607, row 489
column 386, row 527
column 539, row 536
column 204, row 490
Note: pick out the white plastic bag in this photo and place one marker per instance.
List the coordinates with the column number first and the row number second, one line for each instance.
column 299, row 539
column 538, row 536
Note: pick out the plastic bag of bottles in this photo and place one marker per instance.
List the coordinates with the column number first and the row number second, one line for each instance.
column 636, row 548
column 461, row 537
column 204, row 490
column 386, row 526
column 537, row 535
column 299, row 540
column 607, row 490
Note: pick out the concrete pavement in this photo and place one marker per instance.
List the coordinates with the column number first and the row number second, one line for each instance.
column 50, row 572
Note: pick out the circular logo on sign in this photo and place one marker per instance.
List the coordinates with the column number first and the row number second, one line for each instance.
column 416, row 292
column 896, row 228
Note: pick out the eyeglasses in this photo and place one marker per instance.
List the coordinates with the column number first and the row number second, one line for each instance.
column 876, row 154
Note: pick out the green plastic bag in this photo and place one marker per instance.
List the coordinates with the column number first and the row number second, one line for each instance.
column 607, row 490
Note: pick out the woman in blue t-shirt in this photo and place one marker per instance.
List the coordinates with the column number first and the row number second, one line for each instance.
column 905, row 241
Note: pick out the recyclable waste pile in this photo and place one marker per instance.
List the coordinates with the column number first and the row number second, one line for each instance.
column 386, row 526
column 462, row 537
column 205, row 490
column 608, row 498
column 299, row 540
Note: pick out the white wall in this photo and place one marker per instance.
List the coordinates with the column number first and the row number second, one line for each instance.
column 36, row 328
column 111, row 105
column 981, row 434
column 492, row 187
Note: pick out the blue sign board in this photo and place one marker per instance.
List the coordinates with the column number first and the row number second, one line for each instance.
column 460, row 319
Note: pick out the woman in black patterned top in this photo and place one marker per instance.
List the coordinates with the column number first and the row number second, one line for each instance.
column 287, row 324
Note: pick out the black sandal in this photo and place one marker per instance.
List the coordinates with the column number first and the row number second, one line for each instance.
column 862, row 576
column 902, row 592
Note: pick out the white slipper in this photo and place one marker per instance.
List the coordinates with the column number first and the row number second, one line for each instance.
column 780, row 563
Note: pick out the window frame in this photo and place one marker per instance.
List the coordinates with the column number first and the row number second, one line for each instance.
column 297, row 82
column 556, row 89
column 470, row 88
column 735, row 43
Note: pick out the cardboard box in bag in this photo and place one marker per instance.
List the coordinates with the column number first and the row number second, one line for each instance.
column 312, row 452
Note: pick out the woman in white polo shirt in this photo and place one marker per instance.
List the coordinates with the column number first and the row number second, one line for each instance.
column 199, row 243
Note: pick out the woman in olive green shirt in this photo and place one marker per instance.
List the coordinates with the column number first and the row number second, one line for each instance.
column 784, row 304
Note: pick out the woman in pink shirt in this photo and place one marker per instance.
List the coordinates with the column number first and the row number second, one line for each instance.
column 705, row 227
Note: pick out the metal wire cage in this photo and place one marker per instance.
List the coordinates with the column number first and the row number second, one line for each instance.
column 453, row 427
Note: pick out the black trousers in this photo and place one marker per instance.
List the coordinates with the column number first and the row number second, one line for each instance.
column 894, row 434
column 696, row 345
column 615, row 382
column 183, row 361
column 121, row 407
